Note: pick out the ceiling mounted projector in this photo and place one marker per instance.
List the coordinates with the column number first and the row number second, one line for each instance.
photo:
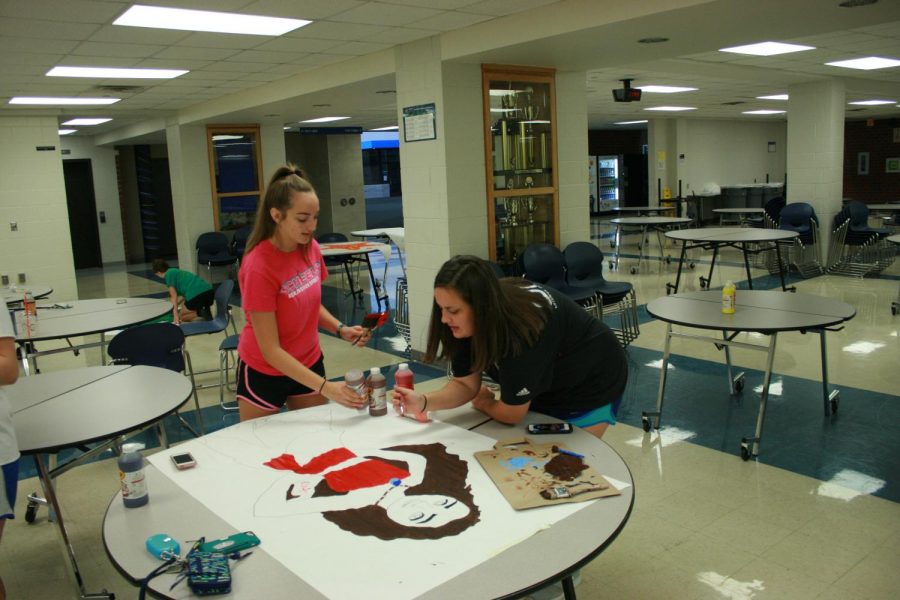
column 627, row 93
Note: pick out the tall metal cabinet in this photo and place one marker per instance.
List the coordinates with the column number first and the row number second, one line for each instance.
column 520, row 157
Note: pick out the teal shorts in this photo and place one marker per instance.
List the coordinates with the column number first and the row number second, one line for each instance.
column 605, row 414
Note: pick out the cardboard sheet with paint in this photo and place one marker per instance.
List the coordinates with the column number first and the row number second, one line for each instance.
column 530, row 475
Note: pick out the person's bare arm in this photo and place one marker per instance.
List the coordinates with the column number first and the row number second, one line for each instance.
column 455, row 392
column 9, row 366
column 173, row 298
column 497, row 409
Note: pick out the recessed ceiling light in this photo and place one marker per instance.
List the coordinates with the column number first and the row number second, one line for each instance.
column 672, row 108
column 764, row 112
column 55, row 101
column 653, row 40
column 205, row 20
column 286, row 128
column 630, row 122
column 86, row 121
column 665, row 89
column 872, row 102
column 869, row 63
column 388, row 128
column 115, row 73
column 774, row 97
column 324, row 119
column 67, row 131
column 767, row 48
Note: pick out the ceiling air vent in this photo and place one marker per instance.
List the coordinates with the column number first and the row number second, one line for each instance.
column 120, row 89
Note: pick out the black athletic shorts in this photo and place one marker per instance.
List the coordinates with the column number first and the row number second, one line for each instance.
column 203, row 300
column 270, row 392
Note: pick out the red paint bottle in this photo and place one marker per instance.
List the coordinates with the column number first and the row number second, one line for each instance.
column 404, row 378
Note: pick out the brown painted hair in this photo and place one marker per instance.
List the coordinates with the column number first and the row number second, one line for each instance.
column 286, row 180
column 508, row 318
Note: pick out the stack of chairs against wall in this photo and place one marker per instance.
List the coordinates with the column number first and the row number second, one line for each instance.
column 803, row 251
column 584, row 269
column 545, row 264
column 768, row 220
column 858, row 250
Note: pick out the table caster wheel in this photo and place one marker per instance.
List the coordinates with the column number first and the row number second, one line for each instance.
column 739, row 384
column 612, row 243
column 645, row 423
column 745, row 452
column 31, row 512
column 702, row 282
column 692, row 265
column 633, row 270
column 668, row 260
column 834, row 401
column 668, row 290
column 639, row 246
column 894, row 310
column 611, row 265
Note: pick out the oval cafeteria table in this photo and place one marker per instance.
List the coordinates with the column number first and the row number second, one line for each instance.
column 768, row 312
column 13, row 294
column 359, row 251
column 740, row 212
column 659, row 224
column 551, row 554
column 66, row 409
column 734, row 237
column 397, row 235
column 86, row 317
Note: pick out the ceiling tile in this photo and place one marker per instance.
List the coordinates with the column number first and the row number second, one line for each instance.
column 8, row 44
column 116, row 50
column 321, row 58
column 439, row 4
column 330, row 30
column 297, row 44
column 380, row 13
column 233, row 67
column 358, row 48
column 138, row 35
column 449, row 21
column 400, row 35
column 27, row 58
column 187, row 52
column 206, row 73
column 499, row 8
column 43, row 30
column 255, row 56
column 223, row 40
column 169, row 63
column 302, row 9
column 70, row 11
column 72, row 60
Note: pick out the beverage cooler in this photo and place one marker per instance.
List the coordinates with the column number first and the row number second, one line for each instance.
column 609, row 183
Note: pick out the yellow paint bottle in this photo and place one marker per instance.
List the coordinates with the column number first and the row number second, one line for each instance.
column 729, row 298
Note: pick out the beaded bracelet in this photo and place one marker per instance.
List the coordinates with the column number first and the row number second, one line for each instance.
column 322, row 387
column 425, row 404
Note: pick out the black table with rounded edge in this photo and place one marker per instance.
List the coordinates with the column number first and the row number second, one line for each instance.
column 66, row 409
column 767, row 312
column 658, row 224
column 13, row 295
column 86, row 317
column 734, row 237
column 895, row 305
column 642, row 210
column 740, row 212
column 552, row 554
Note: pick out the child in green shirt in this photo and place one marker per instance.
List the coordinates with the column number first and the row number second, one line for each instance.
column 196, row 292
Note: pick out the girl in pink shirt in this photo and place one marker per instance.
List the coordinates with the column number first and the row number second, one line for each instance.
column 280, row 361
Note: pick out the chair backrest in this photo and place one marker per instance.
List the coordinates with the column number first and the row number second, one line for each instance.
column 774, row 207
column 796, row 216
column 212, row 242
column 544, row 263
column 859, row 215
column 239, row 240
column 584, row 261
column 155, row 345
column 221, row 297
column 333, row 236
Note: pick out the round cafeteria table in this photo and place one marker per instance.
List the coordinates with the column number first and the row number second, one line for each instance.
column 658, row 224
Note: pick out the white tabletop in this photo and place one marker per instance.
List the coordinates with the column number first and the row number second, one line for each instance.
column 85, row 317
column 59, row 409
column 570, row 542
column 739, row 211
column 894, row 239
column 351, row 248
column 731, row 234
column 757, row 310
column 650, row 220
column 13, row 294
column 643, row 208
column 889, row 207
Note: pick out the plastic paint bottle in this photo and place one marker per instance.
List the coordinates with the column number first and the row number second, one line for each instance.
column 131, row 475
column 404, row 378
column 377, row 385
column 30, row 305
column 729, row 298
column 356, row 381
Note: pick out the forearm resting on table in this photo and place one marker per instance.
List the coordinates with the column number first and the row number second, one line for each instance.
column 455, row 393
column 502, row 412
column 9, row 366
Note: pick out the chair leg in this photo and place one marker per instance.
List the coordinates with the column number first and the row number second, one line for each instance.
column 223, row 379
column 190, row 369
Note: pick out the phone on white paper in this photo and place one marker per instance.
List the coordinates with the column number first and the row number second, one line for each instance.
column 184, row 461
column 542, row 428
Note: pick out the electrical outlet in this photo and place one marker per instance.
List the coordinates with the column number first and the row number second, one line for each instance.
column 5, row 279
column 13, row 226
column 21, row 277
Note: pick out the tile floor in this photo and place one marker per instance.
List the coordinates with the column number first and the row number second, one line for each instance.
column 816, row 516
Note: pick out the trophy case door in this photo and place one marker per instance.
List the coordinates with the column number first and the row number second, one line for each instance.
column 520, row 159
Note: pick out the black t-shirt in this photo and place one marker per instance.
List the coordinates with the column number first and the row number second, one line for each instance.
column 576, row 364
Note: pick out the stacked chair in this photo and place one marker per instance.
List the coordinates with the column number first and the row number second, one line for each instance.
column 803, row 251
column 768, row 220
column 584, row 269
column 546, row 264
column 858, row 250
column 213, row 251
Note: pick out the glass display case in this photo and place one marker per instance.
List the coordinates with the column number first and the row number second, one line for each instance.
column 520, row 157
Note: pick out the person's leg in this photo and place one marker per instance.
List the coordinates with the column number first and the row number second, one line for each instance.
column 2, row 587
column 303, row 397
column 597, row 421
column 198, row 305
column 258, row 394
column 9, row 478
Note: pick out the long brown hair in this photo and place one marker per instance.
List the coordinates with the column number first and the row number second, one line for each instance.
column 507, row 317
column 286, row 180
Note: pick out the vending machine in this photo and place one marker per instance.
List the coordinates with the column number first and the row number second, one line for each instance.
column 608, row 182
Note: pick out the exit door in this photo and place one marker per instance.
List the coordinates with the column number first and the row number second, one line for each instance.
column 82, row 207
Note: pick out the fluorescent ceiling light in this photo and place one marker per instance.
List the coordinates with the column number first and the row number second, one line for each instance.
column 54, row 101
column 869, row 63
column 86, row 121
column 630, row 122
column 114, row 73
column 67, row 131
column 665, row 89
column 206, row 20
column 286, row 128
column 324, row 119
column 872, row 102
column 672, row 108
column 764, row 112
column 774, row 97
column 767, row 49
column 224, row 136
column 388, row 128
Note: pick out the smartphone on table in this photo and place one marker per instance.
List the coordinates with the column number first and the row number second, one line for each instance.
column 543, row 428
column 183, row 461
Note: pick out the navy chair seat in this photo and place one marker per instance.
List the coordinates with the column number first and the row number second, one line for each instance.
column 545, row 264
column 223, row 313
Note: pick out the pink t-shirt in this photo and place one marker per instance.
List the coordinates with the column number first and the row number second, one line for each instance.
column 291, row 287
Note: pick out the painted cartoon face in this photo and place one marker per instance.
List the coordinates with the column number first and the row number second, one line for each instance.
column 298, row 223
column 456, row 313
column 426, row 511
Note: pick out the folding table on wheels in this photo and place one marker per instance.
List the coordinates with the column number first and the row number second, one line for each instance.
column 767, row 312
column 645, row 224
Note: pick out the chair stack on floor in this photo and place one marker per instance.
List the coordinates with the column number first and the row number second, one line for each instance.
column 546, row 264
column 857, row 249
column 803, row 251
column 213, row 251
column 584, row 269
column 768, row 220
